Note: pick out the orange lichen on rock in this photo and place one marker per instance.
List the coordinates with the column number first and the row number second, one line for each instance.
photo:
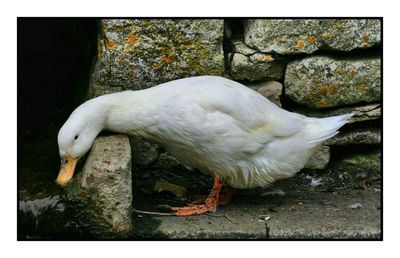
column 321, row 104
column 325, row 35
column 341, row 70
column 187, row 45
column 156, row 66
column 167, row 58
column 328, row 36
column 361, row 87
column 132, row 39
column 365, row 37
column 334, row 26
column 325, row 90
column 312, row 39
column 132, row 74
column 352, row 73
column 365, row 46
column 268, row 58
column 276, row 42
column 300, row 43
column 111, row 44
column 332, row 89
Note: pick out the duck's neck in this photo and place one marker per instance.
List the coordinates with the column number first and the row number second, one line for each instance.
column 129, row 112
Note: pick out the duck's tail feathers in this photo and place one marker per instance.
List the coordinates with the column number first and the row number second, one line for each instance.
column 322, row 129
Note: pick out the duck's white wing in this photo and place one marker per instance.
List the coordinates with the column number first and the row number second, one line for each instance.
column 232, row 117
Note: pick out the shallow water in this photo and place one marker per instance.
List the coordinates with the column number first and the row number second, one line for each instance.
column 45, row 210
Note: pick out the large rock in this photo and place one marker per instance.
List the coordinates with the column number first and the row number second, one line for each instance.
column 140, row 53
column 107, row 182
column 288, row 36
column 248, row 64
column 357, row 136
column 323, row 81
column 361, row 113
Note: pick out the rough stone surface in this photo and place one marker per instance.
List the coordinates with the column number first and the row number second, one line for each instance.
column 357, row 136
column 242, row 226
column 140, row 53
column 322, row 81
column 320, row 159
column 272, row 90
column 295, row 214
column 107, row 182
column 361, row 113
column 328, row 217
column 248, row 64
column 288, row 36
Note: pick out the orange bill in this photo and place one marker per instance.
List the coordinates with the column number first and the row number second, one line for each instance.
column 67, row 169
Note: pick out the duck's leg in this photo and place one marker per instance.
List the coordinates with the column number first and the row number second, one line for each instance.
column 225, row 196
column 210, row 204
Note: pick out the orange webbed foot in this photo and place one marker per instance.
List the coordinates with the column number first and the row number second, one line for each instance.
column 210, row 204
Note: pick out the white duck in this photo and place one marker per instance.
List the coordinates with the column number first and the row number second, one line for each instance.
column 216, row 125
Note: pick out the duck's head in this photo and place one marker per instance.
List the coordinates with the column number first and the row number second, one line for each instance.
column 75, row 138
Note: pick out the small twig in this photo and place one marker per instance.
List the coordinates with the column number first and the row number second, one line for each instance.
column 223, row 215
column 153, row 213
column 230, row 219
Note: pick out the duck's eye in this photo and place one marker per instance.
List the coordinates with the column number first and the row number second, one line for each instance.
column 76, row 137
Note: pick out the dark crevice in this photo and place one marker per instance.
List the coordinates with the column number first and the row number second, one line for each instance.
column 233, row 30
column 339, row 152
column 267, row 230
column 227, row 48
column 355, row 54
column 371, row 124
column 55, row 60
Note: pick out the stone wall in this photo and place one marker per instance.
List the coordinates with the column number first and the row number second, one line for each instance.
column 140, row 53
column 310, row 66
